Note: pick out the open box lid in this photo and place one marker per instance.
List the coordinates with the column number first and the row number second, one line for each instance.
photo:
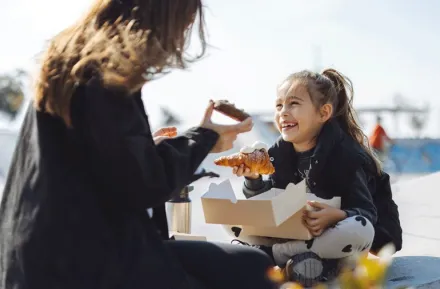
column 272, row 208
column 293, row 227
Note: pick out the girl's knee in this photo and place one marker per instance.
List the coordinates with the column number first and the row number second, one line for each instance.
column 358, row 230
column 357, row 223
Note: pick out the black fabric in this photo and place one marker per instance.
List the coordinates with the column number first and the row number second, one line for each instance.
column 73, row 212
column 333, row 167
column 304, row 165
column 339, row 167
column 268, row 250
column 359, row 183
column 388, row 228
column 228, row 266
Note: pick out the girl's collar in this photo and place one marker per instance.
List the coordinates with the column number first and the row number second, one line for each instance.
column 331, row 134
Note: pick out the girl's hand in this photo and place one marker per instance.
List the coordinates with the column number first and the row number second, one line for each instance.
column 164, row 133
column 324, row 217
column 228, row 133
column 243, row 171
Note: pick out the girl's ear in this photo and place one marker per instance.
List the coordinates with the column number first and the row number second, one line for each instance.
column 326, row 112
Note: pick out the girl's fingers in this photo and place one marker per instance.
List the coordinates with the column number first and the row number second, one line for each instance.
column 240, row 171
column 312, row 222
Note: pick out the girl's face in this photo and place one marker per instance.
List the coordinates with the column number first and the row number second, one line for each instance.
column 296, row 117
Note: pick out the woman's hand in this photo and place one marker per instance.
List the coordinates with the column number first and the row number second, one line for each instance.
column 228, row 133
column 243, row 171
column 164, row 133
column 324, row 217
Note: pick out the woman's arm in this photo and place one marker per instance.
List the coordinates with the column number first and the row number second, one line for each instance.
column 135, row 172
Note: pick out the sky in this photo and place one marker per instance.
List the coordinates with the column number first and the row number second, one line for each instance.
column 385, row 47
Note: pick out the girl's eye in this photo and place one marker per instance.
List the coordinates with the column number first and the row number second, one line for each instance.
column 294, row 103
column 279, row 106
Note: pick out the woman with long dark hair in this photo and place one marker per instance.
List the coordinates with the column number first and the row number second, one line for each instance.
column 86, row 168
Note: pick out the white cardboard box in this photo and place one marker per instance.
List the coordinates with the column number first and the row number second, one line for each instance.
column 275, row 213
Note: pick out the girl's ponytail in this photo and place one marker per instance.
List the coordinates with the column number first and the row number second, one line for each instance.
column 345, row 113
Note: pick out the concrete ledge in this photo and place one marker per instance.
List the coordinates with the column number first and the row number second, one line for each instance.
column 415, row 272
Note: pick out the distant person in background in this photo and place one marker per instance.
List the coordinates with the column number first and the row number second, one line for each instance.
column 379, row 139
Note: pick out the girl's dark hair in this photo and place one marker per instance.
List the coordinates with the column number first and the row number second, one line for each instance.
column 331, row 86
column 124, row 42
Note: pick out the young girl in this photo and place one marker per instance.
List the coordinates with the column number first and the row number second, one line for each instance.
column 321, row 143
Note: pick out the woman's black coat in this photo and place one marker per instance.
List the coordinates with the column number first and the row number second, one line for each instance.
column 73, row 213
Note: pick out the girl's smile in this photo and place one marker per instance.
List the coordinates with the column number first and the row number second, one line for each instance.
column 288, row 125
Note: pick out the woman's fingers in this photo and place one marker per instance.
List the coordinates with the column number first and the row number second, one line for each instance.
column 170, row 131
column 244, row 126
column 158, row 139
column 227, row 133
column 208, row 114
column 238, row 128
column 232, row 129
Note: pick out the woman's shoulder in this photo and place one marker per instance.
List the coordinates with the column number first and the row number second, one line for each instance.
column 93, row 96
column 92, row 100
column 95, row 88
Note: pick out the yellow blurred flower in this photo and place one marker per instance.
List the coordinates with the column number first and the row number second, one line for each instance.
column 369, row 272
column 276, row 275
column 291, row 285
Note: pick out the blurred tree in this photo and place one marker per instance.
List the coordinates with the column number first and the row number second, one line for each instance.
column 11, row 92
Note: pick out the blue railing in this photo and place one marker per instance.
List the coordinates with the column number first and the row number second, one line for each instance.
column 414, row 156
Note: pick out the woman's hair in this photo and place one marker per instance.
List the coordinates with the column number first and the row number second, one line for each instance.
column 123, row 42
column 331, row 86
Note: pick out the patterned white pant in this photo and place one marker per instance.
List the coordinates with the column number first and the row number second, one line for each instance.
column 352, row 235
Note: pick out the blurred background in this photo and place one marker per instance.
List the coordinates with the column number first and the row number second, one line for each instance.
column 389, row 49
